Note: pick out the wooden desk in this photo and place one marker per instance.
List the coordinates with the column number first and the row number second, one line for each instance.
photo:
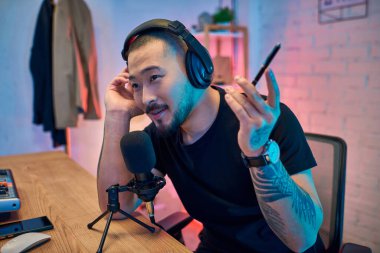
column 52, row 184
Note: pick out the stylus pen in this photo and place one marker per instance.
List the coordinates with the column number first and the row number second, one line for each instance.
column 266, row 63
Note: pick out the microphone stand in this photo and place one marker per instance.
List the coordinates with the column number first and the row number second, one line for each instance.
column 112, row 208
column 113, row 205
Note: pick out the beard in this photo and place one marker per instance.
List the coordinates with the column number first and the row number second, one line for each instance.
column 184, row 109
column 185, row 106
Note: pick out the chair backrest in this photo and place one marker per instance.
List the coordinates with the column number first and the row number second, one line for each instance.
column 329, row 177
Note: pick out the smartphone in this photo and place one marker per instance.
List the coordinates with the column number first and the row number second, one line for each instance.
column 15, row 228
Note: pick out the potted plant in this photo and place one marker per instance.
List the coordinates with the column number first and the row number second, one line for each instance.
column 223, row 15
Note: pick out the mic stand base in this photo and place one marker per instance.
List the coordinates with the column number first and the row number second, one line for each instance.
column 112, row 208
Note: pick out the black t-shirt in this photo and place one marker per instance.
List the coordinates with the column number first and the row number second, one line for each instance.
column 216, row 188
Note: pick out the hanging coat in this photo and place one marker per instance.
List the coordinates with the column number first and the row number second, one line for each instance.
column 74, row 64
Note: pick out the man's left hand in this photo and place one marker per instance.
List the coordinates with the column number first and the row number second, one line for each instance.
column 257, row 116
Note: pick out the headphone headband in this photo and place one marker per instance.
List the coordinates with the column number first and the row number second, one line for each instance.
column 176, row 28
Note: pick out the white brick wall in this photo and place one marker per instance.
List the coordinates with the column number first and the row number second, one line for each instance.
column 330, row 77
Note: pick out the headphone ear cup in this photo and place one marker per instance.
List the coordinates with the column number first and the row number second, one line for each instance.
column 196, row 72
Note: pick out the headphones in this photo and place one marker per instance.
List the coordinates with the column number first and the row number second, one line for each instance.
column 198, row 63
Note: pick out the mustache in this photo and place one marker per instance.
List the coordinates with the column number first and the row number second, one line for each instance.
column 152, row 107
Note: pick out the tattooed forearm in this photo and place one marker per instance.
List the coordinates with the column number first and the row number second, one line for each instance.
column 272, row 183
column 274, row 220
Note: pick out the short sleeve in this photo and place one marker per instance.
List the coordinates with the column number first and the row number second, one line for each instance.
column 296, row 155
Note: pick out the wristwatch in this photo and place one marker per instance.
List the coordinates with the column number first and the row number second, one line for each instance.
column 270, row 155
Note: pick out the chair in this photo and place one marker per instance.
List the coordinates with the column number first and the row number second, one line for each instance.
column 329, row 177
column 174, row 223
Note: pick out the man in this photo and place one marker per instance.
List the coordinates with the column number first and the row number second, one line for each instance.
column 211, row 143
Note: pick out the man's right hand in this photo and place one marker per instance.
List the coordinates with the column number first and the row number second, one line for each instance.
column 119, row 96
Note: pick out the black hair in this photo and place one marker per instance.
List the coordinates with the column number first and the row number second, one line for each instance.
column 171, row 42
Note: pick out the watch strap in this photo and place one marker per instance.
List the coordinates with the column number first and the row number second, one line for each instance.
column 258, row 161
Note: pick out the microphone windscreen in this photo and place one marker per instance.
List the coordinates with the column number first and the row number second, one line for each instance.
column 138, row 153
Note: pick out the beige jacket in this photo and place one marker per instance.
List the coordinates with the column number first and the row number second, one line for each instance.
column 74, row 64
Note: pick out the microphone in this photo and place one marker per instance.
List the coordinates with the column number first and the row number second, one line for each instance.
column 139, row 157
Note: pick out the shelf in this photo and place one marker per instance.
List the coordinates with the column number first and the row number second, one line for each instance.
column 220, row 34
column 232, row 36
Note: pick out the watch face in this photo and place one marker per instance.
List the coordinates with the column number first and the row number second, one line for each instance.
column 273, row 152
